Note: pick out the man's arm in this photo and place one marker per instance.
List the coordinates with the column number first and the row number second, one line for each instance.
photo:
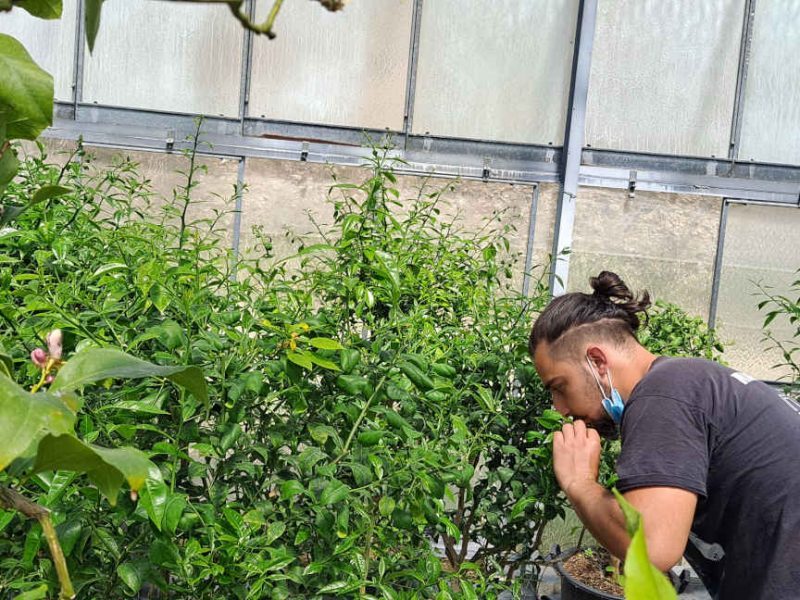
column 667, row 512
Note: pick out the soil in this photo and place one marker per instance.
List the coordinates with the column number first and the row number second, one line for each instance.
column 591, row 570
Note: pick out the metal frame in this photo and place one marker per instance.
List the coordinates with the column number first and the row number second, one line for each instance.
column 526, row 275
column 80, row 51
column 413, row 61
column 717, row 276
column 741, row 78
column 573, row 137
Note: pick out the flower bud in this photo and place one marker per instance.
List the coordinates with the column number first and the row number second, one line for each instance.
column 54, row 340
column 39, row 358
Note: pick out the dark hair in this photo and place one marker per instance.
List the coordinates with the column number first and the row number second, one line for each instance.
column 611, row 302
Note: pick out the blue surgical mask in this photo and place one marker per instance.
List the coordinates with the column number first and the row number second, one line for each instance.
column 613, row 405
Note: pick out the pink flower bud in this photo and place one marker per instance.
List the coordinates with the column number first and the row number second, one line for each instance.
column 48, row 379
column 54, row 339
column 39, row 358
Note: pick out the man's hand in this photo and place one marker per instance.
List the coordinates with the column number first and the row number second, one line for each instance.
column 576, row 456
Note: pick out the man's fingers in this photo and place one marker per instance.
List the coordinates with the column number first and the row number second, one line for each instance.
column 558, row 439
column 580, row 429
column 568, row 431
column 593, row 435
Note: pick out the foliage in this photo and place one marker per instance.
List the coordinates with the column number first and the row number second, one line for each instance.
column 787, row 308
column 371, row 397
column 642, row 579
column 670, row 331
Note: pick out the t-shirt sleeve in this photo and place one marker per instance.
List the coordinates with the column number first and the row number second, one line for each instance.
column 664, row 443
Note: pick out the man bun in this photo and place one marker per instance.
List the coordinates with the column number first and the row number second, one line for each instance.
column 611, row 303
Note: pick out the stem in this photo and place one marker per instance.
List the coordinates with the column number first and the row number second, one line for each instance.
column 13, row 500
column 360, row 418
column 189, row 180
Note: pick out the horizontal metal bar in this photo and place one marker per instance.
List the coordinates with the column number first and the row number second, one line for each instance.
column 428, row 155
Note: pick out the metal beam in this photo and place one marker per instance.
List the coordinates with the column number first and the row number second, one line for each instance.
column 77, row 67
column 411, row 78
column 573, row 144
column 526, row 275
column 237, row 213
column 717, row 276
column 246, row 71
column 428, row 155
column 741, row 79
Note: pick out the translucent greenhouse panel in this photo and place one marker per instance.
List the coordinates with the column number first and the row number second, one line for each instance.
column 343, row 68
column 771, row 120
column 213, row 196
column 664, row 243
column 663, row 76
column 762, row 247
column 495, row 69
column 51, row 43
column 169, row 56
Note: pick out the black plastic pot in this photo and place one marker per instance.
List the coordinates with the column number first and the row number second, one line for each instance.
column 572, row 589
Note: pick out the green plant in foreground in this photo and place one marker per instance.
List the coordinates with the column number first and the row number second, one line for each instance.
column 38, row 429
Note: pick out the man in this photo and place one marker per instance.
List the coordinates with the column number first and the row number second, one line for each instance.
column 706, row 450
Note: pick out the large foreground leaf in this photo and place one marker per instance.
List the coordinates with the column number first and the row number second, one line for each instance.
column 97, row 364
column 26, row 418
column 107, row 468
column 26, row 92
column 44, row 9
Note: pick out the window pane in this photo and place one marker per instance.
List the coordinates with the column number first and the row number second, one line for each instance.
column 663, row 76
column 762, row 246
column 50, row 43
column 664, row 243
column 771, row 111
column 497, row 69
column 166, row 56
column 342, row 68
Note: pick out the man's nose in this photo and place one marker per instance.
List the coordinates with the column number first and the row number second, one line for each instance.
column 560, row 408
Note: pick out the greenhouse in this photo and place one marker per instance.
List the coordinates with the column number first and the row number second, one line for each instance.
column 313, row 299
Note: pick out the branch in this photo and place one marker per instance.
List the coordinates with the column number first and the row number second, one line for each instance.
column 13, row 500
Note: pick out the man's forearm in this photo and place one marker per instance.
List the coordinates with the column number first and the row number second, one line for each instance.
column 598, row 510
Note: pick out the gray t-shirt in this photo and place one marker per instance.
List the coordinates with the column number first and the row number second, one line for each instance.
column 733, row 441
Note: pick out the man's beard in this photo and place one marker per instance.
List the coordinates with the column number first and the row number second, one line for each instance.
column 605, row 427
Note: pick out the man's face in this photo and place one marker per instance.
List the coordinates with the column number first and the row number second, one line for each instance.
column 573, row 389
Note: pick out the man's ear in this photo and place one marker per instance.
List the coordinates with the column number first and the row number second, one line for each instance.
column 598, row 358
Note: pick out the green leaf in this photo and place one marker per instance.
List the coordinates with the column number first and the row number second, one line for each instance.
column 173, row 512
column 26, row 418
column 49, row 191
column 323, row 362
column 291, row 488
column 107, row 468
column 26, row 92
column 130, row 576
column 303, row 360
column 34, row 594
column 274, row 531
column 325, row 344
column 334, row 492
column 6, row 363
column 9, row 165
column 154, row 495
column 44, row 9
column 336, row 586
column 97, row 364
column 386, row 506
column 92, row 10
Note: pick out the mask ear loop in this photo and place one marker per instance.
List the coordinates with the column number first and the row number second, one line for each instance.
column 597, row 377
